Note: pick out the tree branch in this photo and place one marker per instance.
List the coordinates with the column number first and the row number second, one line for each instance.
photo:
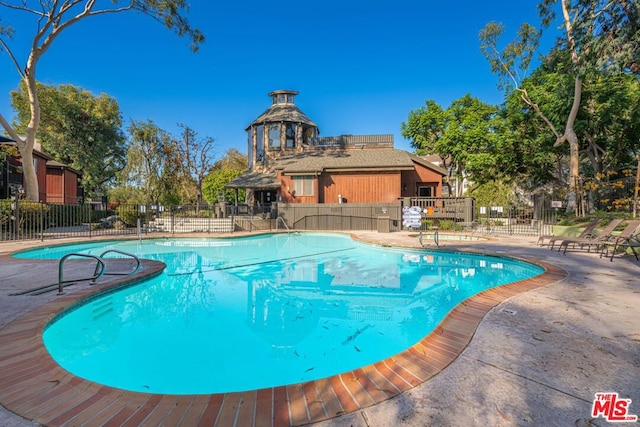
column 524, row 95
column 12, row 57
column 22, row 8
column 12, row 133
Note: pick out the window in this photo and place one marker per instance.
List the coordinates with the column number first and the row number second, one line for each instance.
column 259, row 144
column 250, row 145
column 290, row 135
column 303, row 185
column 425, row 192
column 274, row 135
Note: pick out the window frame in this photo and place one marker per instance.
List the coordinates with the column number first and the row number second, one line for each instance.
column 303, row 185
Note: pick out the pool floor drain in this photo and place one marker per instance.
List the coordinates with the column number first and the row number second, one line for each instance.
column 509, row 311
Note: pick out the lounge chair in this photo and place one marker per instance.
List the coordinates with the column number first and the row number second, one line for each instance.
column 628, row 238
column 586, row 233
column 596, row 241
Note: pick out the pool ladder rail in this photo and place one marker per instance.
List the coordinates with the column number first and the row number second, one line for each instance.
column 436, row 238
column 283, row 223
column 99, row 271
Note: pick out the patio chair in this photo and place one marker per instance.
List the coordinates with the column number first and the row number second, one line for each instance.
column 597, row 241
column 628, row 238
column 586, row 233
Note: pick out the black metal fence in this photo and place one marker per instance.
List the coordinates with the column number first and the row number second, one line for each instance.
column 22, row 220
column 523, row 219
column 616, row 195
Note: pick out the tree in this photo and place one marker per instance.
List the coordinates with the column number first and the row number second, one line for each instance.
column 223, row 172
column 78, row 129
column 606, row 125
column 53, row 17
column 477, row 140
column 586, row 41
column 152, row 164
column 469, row 136
column 196, row 156
column 233, row 159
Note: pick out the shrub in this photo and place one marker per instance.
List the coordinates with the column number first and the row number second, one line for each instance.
column 66, row 215
column 449, row 224
column 129, row 214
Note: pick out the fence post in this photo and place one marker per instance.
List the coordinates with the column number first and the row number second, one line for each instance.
column 41, row 222
column 16, row 216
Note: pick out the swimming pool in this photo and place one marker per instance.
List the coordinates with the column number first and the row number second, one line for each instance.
column 247, row 313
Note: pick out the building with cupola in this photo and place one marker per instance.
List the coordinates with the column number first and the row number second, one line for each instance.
column 290, row 162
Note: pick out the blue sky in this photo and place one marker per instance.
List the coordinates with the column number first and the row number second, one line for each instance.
column 360, row 66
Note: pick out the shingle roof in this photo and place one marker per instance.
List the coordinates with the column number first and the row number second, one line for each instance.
column 282, row 113
column 56, row 164
column 364, row 159
column 254, row 180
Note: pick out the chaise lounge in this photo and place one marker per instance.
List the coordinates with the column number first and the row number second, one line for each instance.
column 585, row 234
column 598, row 241
column 628, row 238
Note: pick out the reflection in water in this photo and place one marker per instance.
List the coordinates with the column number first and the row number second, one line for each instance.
column 247, row 313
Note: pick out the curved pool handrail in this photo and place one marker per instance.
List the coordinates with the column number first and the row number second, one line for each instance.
column 98, row 272
column 121, row 253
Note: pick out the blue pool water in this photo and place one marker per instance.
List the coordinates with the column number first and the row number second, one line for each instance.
column 246, row 313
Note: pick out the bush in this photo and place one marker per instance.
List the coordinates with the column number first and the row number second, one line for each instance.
column 97, row 215
column 5, row 211
column 129, row 214
column 449, row 224
column 66, row 215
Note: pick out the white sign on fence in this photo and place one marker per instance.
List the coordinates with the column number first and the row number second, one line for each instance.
column 411, row 216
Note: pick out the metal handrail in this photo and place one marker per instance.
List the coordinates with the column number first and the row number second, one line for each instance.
column 121, row 253
column 283, row 223
column 98, row 272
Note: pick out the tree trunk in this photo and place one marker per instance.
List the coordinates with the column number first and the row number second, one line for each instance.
column 574, row 146
column 637, row 188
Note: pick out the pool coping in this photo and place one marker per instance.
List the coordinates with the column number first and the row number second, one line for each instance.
column 35, row 387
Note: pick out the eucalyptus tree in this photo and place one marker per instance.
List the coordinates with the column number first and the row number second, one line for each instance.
column 50, row 19
column 606, row 125
column 77, row 128
column 587, row 45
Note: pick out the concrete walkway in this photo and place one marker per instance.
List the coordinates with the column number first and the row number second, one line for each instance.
column 536, row 359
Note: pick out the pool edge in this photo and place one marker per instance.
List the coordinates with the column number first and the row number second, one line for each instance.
column 33, row 386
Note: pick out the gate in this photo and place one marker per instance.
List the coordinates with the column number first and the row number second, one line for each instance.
column 533, row 216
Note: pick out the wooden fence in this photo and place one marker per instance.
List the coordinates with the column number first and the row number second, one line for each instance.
column 342, row 216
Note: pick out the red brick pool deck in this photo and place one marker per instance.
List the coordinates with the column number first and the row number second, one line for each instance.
column 35, row 387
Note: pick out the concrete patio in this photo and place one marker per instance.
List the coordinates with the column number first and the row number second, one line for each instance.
column 536, row 359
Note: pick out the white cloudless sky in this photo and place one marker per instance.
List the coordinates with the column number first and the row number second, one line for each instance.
column 359, row 66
